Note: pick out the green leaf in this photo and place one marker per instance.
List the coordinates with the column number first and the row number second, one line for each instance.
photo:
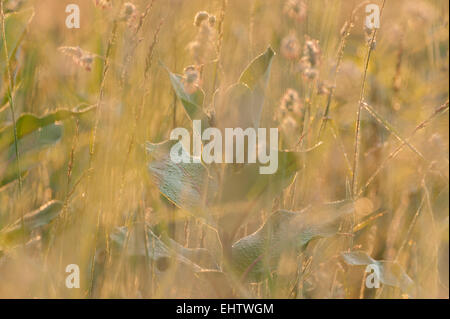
column 38, row 140
column 31, row 147
column 248, row 184
column 389, row 272
column 10, row 177
column 258, row 254
column 28, row 123
column 41, row 217
column 34, row 134
column 184, row 184
column 234, row 107
column 245, row 190
column 192, row 103
column 241, row 104
column 258, row 70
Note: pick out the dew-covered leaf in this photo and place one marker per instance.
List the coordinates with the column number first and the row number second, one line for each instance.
column 184, row 184
column 258, row 254
column 389, row 272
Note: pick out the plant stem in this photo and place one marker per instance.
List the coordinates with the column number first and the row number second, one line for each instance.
column 13, row 116
column 354, row 185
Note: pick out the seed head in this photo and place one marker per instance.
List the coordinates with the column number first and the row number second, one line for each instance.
column 103, row 3
column 129, row 13
column 310, row 60
column 310, row 74
column 129, row 9
column 312, row 51
column 296, row 10
column 203, row 45
column 323, row 88
column 191, row 79
column 290, row 47
column 200, row 17
column 369, row 36
column 212, row 20
column 290, row 102
column 80, row 57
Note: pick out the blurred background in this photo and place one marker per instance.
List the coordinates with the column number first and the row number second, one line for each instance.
column 112, row 218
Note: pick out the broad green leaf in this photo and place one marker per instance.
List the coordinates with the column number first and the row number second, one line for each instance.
column 31, row 147
column 270, row 185
column 245, row 190
column 248, row 184
column 388, row 272
column 241, row 104
column 257, row 255
column 234, row 107
column 38, row 140
column 258, row 70
column 10, row 177
column 28, row 123
column 192, row 103
column 41, row 217
column 184, row 184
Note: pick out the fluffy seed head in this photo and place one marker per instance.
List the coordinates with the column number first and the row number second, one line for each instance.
column 129, row 9
column 212, row 20
column 323, row 88
column 80, row 57
column 203, row 45
column 200, row 17
column 290, row 102
column 296, row 10
column 312, row 51
column 310, row 60
column 191, row 79
column 290, row 47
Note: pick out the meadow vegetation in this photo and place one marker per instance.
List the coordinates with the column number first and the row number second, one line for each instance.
column 363, row 162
